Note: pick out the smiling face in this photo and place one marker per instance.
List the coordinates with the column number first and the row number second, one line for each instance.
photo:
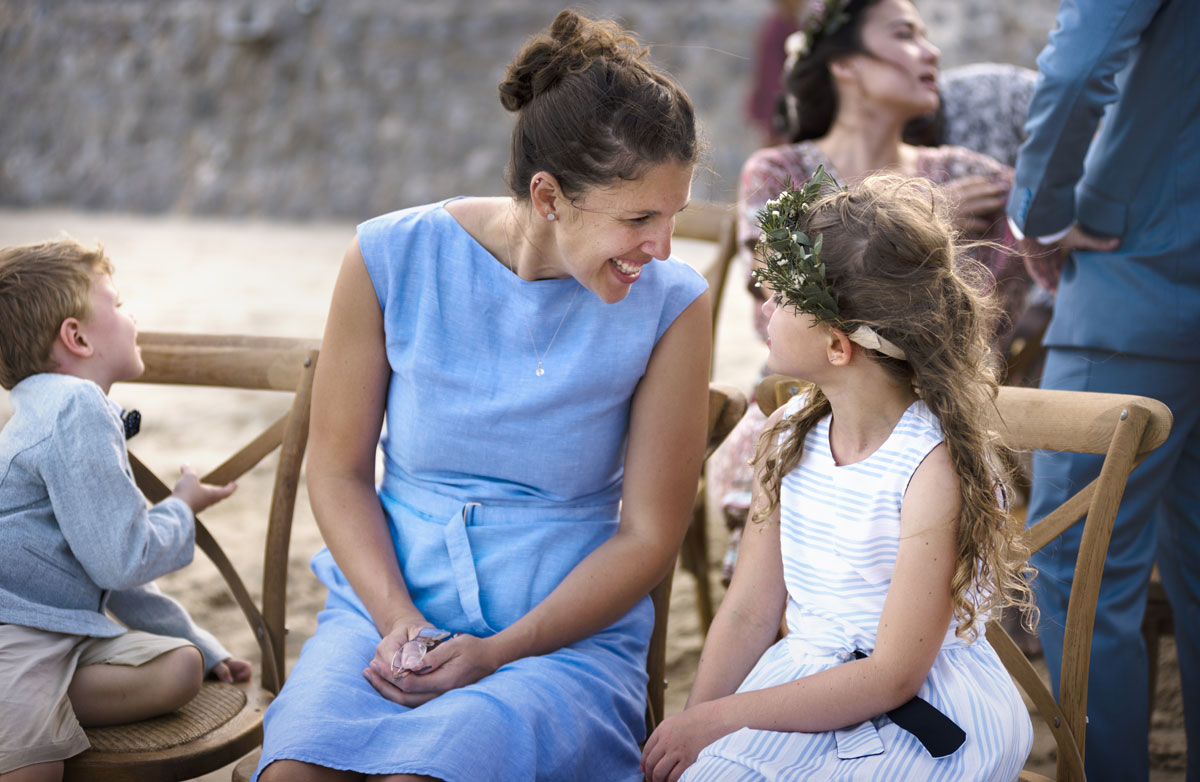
column 112, row 335
column 899, row 65
column 608, row 235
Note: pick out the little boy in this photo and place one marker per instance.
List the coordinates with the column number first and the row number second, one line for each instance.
column 76, row 536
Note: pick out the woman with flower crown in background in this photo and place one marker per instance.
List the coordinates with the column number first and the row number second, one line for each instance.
column 542, row 364
column 878, row 527
column 856, row 74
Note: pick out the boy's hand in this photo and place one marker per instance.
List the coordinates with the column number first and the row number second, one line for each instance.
column 231, row 670
column 199, row 495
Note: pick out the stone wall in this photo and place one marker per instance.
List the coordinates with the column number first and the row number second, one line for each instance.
column 299, row 108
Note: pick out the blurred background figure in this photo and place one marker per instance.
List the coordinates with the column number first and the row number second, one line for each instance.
column 768, row 58
column 983, row 107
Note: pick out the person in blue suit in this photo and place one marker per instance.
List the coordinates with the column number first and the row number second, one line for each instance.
column 1123, row 207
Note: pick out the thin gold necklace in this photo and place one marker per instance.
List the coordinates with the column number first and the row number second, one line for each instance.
column 516, row 287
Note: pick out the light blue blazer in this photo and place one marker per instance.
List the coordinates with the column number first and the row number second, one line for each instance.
column 1131, row 67
column 77, row 541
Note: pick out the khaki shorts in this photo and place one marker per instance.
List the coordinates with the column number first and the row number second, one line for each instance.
column 36, row 667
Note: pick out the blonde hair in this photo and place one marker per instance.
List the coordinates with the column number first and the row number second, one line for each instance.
column 41, row 285
column 891, row 256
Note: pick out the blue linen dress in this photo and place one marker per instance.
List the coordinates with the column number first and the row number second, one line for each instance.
column 496, row 483
column 839, row 534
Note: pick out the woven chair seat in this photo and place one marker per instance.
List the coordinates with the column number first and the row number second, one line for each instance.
column 216, row 704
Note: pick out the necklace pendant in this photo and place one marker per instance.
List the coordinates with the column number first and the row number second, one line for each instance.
column 540, row 371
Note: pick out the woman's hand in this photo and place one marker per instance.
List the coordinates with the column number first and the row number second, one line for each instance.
column 403, row 630
column 978, row 201
column 462, row 660
column 675, row 743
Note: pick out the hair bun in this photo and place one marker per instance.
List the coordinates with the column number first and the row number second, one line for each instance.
column 571, row 45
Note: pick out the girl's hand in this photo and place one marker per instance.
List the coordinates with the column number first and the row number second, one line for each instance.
column 231, row 670
column 676, row 742
column 457, row 662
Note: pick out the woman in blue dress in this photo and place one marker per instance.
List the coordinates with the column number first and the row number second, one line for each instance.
column 542, row 366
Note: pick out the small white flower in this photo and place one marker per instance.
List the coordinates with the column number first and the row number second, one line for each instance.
column 796, row 45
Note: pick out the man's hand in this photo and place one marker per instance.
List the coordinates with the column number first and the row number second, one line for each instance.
column 1045, row 261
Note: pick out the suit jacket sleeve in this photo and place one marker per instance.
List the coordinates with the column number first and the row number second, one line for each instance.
column 1077, row 78
column 118, row 540
column 146, row 608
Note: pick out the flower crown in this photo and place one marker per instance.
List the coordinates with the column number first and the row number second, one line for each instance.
column 820, row 17
column 792, row 262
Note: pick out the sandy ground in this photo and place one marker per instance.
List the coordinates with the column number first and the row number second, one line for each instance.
column 207, row 275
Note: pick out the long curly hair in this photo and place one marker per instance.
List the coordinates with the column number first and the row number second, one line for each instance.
column 891, row 255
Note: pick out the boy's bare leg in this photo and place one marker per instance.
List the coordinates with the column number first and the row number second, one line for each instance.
column 38, row 772
column 114, row 694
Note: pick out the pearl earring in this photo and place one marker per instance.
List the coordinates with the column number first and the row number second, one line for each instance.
column 550, row 217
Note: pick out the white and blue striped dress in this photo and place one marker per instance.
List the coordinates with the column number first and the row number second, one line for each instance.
column 840, row 533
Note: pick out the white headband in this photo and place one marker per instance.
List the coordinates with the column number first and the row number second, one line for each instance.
column 867, row 337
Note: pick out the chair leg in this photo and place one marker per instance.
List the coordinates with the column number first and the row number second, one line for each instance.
column 695, row 547
column 1150, row 634
column 1159, row 621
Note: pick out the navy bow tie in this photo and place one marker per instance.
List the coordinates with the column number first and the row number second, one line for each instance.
column 132, row 420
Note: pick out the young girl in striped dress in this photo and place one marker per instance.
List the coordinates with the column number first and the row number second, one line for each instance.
column 878, row 527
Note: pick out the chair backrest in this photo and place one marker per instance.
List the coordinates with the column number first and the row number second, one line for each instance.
column 717, row 223
column 258, row 363
column 1124, row 429
column 726, row 406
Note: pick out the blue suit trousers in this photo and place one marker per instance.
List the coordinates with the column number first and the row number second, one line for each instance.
column 1159, row 520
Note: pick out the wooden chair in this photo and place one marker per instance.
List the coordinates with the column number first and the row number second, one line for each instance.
column 717, row 223
column 726, row 406
column 708, row 221
column 1123, row 428
column 1159, row 621
column 224, row 721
